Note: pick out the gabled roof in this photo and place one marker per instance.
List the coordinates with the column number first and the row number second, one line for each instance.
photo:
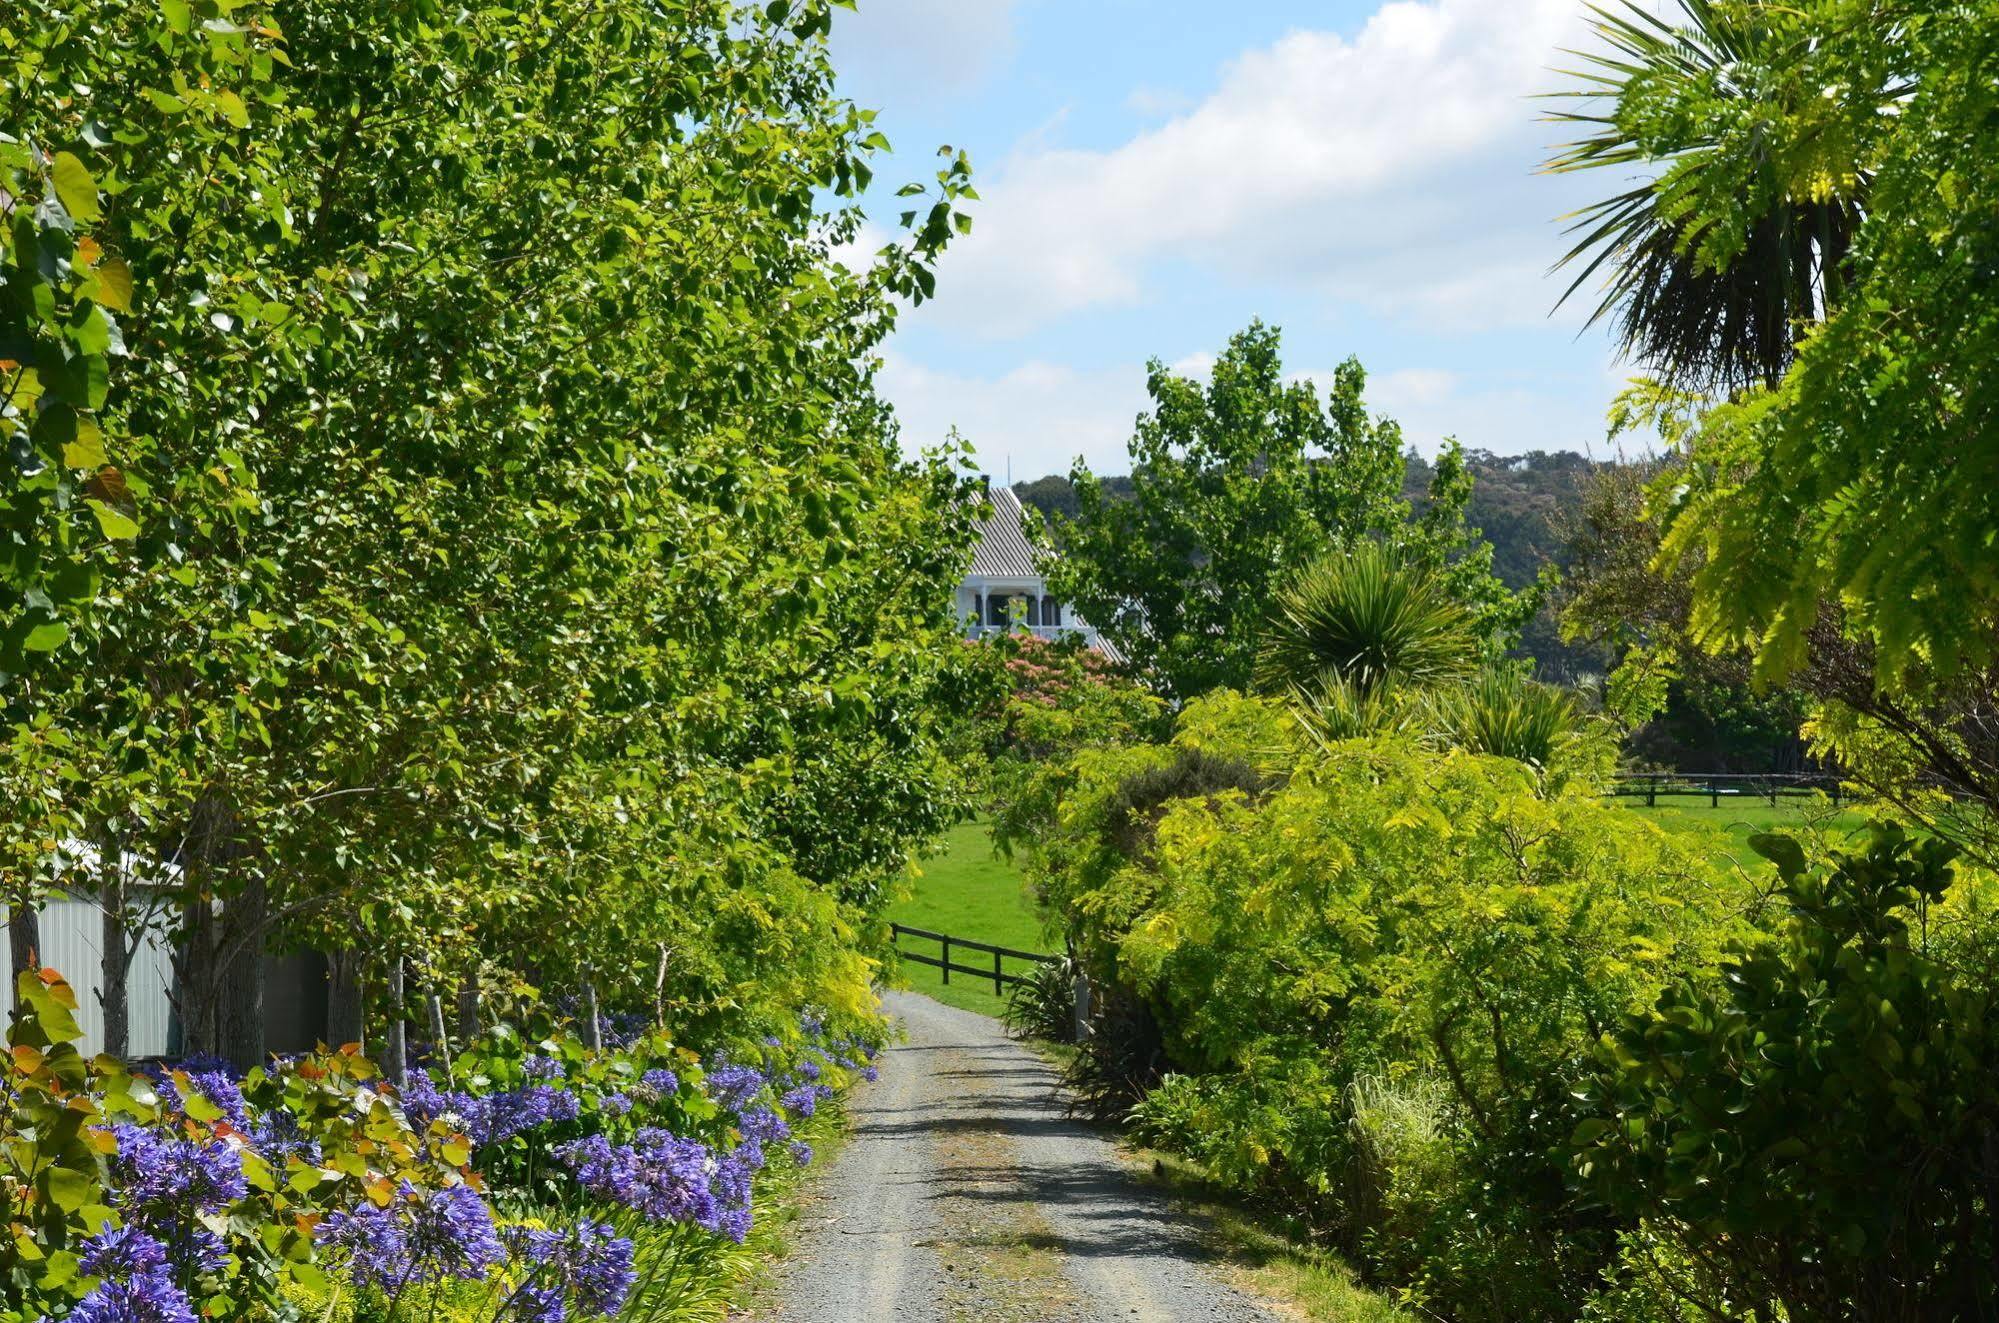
column 1004, row 551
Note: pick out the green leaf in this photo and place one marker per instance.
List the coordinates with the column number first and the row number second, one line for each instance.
column 69, row 1188
column 46, row 637
column 75, row 188
column 233, row 109
column 1780, row 850
column 114, row 284
column 114, row 524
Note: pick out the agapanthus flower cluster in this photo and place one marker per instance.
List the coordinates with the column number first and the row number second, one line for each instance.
column 138, row 1285
column 615, row 1104
column 590, row 1268
column 155, row 1173
column 418, row 1237
column 805, row 1099
column 733, row 1085
column 666, row 1178
column 759, row 1126
column 277, row 1138
column 538, row 1067
column 493, row 1118
column 163, row 1186
column 211, row 1077
column 663, row 1083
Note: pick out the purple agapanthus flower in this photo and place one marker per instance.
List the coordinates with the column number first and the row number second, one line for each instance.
column 156, row 1175
column 373, row 1239
column 538, row 1067
column 590, row 1266
column 151, row 1296
column 121, row 1252
column 212, row 1078
column 451, row 1234
column 804, row 1100
column 801, row 1152
column 662, row 1082
column 666, row 1178
column 418, row 1237
column 615, row 1104
column 734, row 1086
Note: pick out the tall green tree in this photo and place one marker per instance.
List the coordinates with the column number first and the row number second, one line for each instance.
column 1236, row 484
column 1860, row 485
column 529, row 582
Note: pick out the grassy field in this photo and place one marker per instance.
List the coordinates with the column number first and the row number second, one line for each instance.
column 966, row 892
column 1740, row 820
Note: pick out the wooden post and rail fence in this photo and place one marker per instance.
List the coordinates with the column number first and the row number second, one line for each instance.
column 998, row 974
column 1715, row 787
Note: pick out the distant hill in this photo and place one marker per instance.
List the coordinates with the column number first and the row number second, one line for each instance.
column 1520, row 503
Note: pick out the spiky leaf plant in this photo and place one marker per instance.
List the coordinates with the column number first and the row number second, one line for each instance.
column 1362, row 621
column 1735, row 240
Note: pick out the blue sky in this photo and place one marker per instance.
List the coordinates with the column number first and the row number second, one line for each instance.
column 1156, row 174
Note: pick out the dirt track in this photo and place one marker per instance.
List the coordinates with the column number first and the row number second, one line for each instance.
column 966, row 1193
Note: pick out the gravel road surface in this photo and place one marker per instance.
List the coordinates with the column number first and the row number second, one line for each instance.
column 965, row 1193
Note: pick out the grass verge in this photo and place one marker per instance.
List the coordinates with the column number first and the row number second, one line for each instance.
column 1306, row 1281
column 967, row 892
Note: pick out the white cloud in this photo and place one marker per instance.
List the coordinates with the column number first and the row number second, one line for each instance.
column 1038, row 415
column 922, row 47
column 1393, row 168
column 1157, row 102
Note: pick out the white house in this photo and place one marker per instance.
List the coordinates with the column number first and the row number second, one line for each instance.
column 1005, row 589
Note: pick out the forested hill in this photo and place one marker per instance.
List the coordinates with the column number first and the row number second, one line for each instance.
column 1520, row 503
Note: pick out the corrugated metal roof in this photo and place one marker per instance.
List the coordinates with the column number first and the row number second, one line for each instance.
column 1004, row 551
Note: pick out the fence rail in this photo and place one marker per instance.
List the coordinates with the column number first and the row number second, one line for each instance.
column 997, row 973
column 1717, row 786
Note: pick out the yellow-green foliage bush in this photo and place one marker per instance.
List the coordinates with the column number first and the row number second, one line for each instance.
column 1371, row 965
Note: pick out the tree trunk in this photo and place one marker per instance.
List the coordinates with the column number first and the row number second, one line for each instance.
column 593, row 1025
column 116, row 959
column 434, row 1004
column 395, row 1043
column 24, row 932
column 659, row 989
column 468, row 1008
column 346, row 1001
column 242, row 980
column 220, row 996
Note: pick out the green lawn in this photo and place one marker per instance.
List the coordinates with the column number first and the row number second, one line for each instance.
column 966, row 892
column 1741, row 819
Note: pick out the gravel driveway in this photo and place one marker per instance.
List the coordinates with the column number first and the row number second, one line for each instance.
column 964, row 1192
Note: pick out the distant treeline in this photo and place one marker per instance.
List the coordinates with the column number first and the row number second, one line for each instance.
column 1526, row 507
column 1521, row 503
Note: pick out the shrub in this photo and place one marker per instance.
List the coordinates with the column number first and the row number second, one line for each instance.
column 1372, row 974
column 1045, row 1005
column 1820, row 1129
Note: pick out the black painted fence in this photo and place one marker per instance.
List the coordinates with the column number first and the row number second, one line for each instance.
column 1714, row 787
column 998, row 974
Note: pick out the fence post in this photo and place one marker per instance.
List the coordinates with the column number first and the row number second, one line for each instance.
column 1651, row 792
column 1713, row 793
column 996, row 973
column 1082, row 986
column 947, row 961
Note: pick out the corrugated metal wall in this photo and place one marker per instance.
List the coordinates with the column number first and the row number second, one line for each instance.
column 72, row 945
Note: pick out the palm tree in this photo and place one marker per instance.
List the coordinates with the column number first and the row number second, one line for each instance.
column 1714, row 267
column 1359, row 630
